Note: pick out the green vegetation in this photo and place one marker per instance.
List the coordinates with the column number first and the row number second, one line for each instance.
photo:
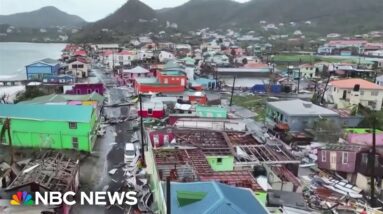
column 29, row 94
column 197, row 14
column 361, row 131
column 42, row 18
column 301, row 58
column 255, row 104
column 369, row 117
column 324, row 14
column 294, row 58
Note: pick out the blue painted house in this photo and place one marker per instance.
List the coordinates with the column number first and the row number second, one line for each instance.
column 213, row 198
column 43, row 69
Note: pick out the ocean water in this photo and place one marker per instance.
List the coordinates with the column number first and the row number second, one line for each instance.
column 15, row 55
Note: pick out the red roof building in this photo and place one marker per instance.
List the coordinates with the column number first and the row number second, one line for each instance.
column 152, row 109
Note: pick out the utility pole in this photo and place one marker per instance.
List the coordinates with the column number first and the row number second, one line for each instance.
column 142, row 133
column 168, row 196
column 372, row 159
column 299, row 79
column 112, row 60
column 232, row 91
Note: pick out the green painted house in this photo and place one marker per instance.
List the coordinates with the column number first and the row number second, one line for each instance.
column 221, row 163
column 50, row 126
column 211, row 111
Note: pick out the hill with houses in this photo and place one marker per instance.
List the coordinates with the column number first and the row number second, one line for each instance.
column 325, row 16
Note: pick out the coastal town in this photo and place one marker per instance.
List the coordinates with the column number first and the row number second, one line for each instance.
column 213, row 128
column 208, row 107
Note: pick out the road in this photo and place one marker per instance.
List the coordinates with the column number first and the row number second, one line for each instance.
column 108, row 152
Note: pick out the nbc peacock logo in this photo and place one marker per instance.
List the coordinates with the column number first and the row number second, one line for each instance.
column 22, row 198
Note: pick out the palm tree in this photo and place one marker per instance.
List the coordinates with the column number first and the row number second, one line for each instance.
column 7, row 128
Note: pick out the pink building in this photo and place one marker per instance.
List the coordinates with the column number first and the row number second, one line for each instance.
column 129, row 75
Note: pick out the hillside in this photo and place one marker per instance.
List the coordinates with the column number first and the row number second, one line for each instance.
column 201, row 13
column 42, row 18
column 329, row 15
column 133, row 17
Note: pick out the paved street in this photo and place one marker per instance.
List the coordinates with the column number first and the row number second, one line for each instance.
column 108, row 153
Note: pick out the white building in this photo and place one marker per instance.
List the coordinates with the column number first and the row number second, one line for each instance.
column 165, row 56
column 345, row 94
column 79, row 68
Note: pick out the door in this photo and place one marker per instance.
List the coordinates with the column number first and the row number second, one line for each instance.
column 166, row 139
column 333, row 160
column 344, row 94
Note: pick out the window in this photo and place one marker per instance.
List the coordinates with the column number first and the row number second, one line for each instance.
column 219, row 160
column 96, row 90
column 324, row 154
column 72, row 125
column 89, row 91
column 334, row 89
column 78, row 91
column 75, row 142
column 344, row 157
column 150, row 111
column 80, row 66
column 361, row 92
column 374, row 93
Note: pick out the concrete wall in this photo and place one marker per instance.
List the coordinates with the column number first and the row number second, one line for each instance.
column 365, row 96
column 363, row 182
column 80, row 72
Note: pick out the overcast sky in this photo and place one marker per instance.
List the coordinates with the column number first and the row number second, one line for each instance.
column 90, row 10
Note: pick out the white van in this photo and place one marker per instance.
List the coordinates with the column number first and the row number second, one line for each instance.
column 130, row 152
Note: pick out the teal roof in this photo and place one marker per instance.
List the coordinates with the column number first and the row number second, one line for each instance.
column 204, row 81
column 188, row 60
column 58, row 98
column 68, row 113
column 172, row 65
column 217, row 109
column 172, row 73
column 220, row 199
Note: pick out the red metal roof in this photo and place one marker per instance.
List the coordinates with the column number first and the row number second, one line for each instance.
column 80, row 53
column 350, row 83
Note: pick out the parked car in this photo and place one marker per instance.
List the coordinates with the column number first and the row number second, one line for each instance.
column 130, row 152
